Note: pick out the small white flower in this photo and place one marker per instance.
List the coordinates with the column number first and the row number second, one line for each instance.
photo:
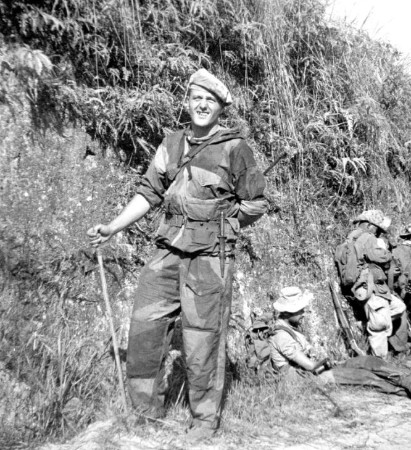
column 26, row 194
column 89, row 198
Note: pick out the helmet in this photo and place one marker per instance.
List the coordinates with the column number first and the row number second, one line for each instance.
column 375, row 217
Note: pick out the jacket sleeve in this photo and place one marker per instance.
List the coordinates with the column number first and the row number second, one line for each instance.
column 153, row 184
column 374, row 252
column 249, row 185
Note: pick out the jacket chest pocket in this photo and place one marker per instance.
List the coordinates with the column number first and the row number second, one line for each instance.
column 207, row 179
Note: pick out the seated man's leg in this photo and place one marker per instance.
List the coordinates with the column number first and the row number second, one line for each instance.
column 378, row 366
column 156, row 306
column 206, row 304
column 379, row 325
column 363, row 377
column 398, row 312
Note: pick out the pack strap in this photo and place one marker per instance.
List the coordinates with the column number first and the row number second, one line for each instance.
column 276, row 328
column 183, row 160
column 287, row 329
column 354, row 239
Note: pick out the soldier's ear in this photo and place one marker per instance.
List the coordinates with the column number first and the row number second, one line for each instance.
column 186, row 98
column 185, row 102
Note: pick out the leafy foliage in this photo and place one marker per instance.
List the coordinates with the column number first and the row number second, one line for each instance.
column 120, row 68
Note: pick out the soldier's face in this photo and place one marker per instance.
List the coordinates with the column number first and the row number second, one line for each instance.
column 374, row 229
column 204, row 108
column 297, row 318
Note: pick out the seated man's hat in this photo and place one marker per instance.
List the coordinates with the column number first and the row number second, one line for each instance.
column 204, row 79
column 292, row 299
column 375, row 217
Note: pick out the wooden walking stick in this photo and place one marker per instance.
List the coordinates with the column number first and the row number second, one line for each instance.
column 113, row 333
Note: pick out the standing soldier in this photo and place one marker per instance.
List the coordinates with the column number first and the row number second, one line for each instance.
column 208, row 181
column 381, row 306
column 402, row 253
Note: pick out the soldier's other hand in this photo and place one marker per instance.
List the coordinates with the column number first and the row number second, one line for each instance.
column 328, row 364
column 99, row 234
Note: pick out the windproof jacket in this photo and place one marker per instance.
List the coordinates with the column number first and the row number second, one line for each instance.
column 196, row 182
column 378, row 259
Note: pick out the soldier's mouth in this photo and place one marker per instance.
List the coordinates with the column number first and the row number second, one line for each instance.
column 202, row 114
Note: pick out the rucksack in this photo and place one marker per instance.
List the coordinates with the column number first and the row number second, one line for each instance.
column 258, row 346
column 256, row 342
column 348, row 260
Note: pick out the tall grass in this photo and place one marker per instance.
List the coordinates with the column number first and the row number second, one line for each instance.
column 55, row 338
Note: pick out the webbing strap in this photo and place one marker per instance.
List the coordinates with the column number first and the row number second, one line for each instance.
column 185, row 159
column 292, row 334
column 287, row 329
column 177, row 220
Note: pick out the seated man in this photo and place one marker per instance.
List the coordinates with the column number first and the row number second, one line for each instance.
column 291, row 352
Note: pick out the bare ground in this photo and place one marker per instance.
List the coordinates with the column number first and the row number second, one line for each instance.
column 346, row 419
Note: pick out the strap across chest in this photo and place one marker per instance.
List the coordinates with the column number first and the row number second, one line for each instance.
column 178, row 160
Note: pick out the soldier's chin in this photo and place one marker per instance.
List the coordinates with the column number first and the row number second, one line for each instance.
column 204, row 123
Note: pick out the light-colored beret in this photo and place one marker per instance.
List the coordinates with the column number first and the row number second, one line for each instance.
column 203, row 78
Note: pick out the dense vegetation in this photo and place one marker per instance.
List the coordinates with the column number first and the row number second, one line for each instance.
column 87, row 92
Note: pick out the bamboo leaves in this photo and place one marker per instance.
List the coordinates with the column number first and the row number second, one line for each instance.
column 121, row 69
column 348, row 173
column 35, row 62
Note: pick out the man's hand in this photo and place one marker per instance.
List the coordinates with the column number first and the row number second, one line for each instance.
column 99, row 234
column 134, row 211
column 321, row 366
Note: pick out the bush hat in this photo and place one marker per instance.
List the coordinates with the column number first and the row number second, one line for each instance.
column 292, row 299
column 406, row 233
column 375, row 217
column 204, row 79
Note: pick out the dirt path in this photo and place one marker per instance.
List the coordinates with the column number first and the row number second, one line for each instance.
column 369, row 420
column 363, row 419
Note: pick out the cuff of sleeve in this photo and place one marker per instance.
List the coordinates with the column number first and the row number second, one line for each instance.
column 151, row 199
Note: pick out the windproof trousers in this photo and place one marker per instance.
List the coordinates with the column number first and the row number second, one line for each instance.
column 380, row 314
column 170, row 284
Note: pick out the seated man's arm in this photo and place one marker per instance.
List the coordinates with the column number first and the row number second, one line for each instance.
column 301, row 360
column 291, row 350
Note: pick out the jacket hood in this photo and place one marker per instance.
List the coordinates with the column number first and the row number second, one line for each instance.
column 227, row 134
